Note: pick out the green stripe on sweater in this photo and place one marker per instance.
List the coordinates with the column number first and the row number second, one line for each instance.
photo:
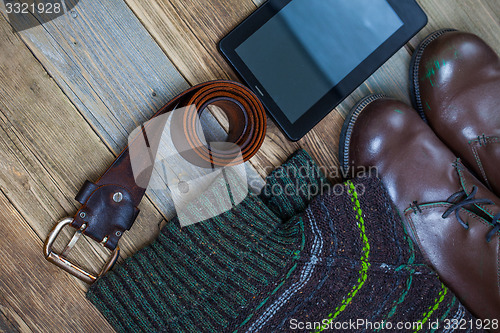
column 365, row 264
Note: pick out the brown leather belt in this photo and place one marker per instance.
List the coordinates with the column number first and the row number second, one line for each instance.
column 109, row 206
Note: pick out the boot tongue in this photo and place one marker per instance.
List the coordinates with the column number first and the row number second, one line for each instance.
column 467, row 185
column 468, row 182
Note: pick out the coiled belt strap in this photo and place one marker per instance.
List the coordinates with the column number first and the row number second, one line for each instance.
column 109, row 206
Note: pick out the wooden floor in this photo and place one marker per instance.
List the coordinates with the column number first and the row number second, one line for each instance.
column 72, row 89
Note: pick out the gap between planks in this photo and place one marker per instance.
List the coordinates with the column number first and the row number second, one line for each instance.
column 39, row 180
column 36, row 296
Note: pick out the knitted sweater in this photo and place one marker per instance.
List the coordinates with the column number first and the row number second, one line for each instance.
column 281, row 262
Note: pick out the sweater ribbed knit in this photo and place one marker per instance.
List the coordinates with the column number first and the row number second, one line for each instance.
column 279, row 262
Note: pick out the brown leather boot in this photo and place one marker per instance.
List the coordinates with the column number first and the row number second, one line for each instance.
column 450, row 214
column 455, row 78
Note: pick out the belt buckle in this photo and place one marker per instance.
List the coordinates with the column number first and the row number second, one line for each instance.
column 61, row 261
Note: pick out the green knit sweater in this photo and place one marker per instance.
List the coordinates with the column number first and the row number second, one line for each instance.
column 281, row 262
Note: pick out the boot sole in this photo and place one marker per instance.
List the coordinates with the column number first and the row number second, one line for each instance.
column 347, row 127
column 416, row 101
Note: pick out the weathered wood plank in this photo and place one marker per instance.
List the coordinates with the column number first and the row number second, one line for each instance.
column 480, row 17
column 11, row 321
column 110, row 68
column 113, row 71
column 211, row 20
column 106, row 63
column 188, row 32
column 6, row 326
column 32, row 287
column 179, row 42
column 494, row 10
column 45, row 160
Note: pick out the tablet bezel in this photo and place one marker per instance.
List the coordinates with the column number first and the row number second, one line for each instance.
column 410, row 13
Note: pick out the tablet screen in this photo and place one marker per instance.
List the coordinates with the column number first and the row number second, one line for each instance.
column 306, row 49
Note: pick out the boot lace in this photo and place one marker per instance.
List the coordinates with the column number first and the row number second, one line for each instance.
column 471, row 200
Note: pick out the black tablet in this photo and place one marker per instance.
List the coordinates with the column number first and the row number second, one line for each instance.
column 303, row 57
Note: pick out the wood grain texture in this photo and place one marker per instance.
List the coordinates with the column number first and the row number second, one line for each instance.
column 106, row 63
column 6, row 325
column 32, row 288
column 42, row 166
column 14, row 321
column 167, row 26
column 113, row 72
column 44, row 159
column 188, row 32
column 109, row 66
column 481, row 17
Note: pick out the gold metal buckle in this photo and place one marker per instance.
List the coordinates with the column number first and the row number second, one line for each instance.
column 61, row 261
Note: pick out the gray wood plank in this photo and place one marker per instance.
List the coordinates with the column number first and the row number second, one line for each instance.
column 110, row 68
column 43, row 162
column 167, row 24
column 10, row 320
column 106, row 63
column 188, row 31
column 35, row 295
column 6, row 326
column 113, row 71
